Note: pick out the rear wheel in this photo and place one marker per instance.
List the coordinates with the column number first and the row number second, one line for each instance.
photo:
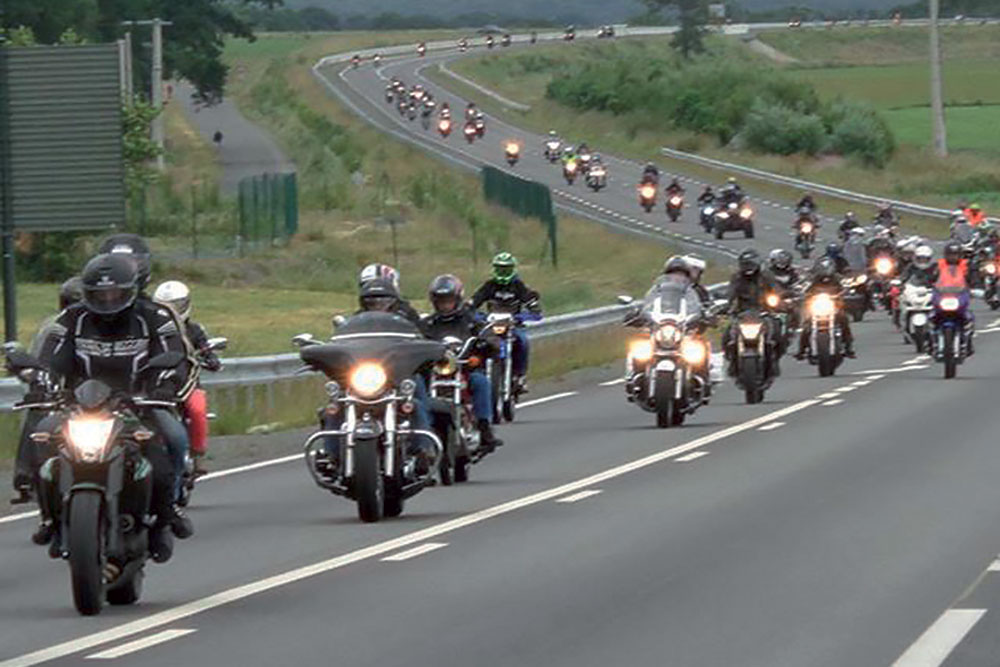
column 753, row 395
column 509, row 408
column 950, row 362
column 369, row 487
column 85, row 559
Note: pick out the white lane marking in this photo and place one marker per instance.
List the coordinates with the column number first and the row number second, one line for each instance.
column 611, row 383
column 915, row 360
column 939, row 640
column 414, row 552
column 139, row 644
column 579, row 496
column 546, row 399
column 862, row 383
column 771, row 426
column 836, row 401
column 994, row 566
column 883, row 371
column 829, row 394
column 244, row 591
column 18, row 517
column 845, row 390
column 691, row 457
column 875, row 377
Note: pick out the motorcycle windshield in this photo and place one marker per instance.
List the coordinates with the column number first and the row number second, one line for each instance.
column 672, row 295
column 389, row 340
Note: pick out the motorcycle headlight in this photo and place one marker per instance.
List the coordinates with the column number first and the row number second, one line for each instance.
column 571, row 167
column 89, row 436
column 694, row 351
column 668, row 334
column 723, row 215
column 750, row 330
column 746, row 213
column 368, row 380
column 772, row 300
column 446, row 367
column 949, row 303
column 647, row 192
column 822, row 305
column 883, row 266
column 990, row 268
column 707, row 210
column 806, row 228
column 675, row 201
column 513, row 149
column 641, row 350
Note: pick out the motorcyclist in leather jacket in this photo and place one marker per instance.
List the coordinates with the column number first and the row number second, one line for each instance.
column 674, row 187
column 707, row 196
column 400, row 306
column 650, row 174
column 922, row 271
column 748, row 288
column 825, row 278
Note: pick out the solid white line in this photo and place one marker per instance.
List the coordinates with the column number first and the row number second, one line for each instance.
column 910, row 362
column 139, row 644
column 611, row 383
column 415, row 551
column 244, row 591
column 546, row 399
column 691, row 457
column 579, row 496
column 939, row 640
column 994, row 566
column 18, row 517
column 836, row 401
column 771, row 426
column 875, row 377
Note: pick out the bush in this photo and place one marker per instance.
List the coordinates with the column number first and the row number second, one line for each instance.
column 774, row 128
column 857, row 130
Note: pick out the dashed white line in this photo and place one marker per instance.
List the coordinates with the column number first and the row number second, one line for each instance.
column 836, row 401
column 611, row 383
column 414, row 552
column 578, row 496
column 862, row 383
column 938, row 641
column 845, row 390
column 139, row 644
column 829, row 394
column 691, row 457
column 771, row 426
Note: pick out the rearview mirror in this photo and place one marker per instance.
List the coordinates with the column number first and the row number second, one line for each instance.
column 338, row 321
column 304, row 340
column 218, row 343
column 625, row 300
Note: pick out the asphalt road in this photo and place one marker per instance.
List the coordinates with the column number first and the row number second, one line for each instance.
column 838, row 523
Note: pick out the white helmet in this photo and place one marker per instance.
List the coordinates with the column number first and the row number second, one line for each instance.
column 696, row 266
column 176, row 295
column 923, row 256
column 376, row 271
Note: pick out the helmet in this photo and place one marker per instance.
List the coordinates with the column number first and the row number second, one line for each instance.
column 552, row 134
column 504, row 268
column 857, row 232
column 677, row 264
column 850, row 216
column 696, row 266
column 780, row 259
column 832, row 250
column 176, row 295
column 952, row 252
column 446, row 294
column 730, row 181
column 975, row 207
column 923, row 257
column 375, row 271
column 824, row 268
column 131, row 244
column 70, row 292
column 650, row 167
column 378, row 294
column 749, row 262
column 110, row 283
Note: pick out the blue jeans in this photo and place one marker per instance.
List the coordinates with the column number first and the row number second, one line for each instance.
column 482, row 395
column 520, row 352
column 420, row 420
column 175, row 437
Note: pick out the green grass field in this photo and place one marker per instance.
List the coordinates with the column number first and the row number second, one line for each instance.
column 965, row 127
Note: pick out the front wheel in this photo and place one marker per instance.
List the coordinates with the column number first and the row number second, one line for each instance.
column 664, row 398
column 509, row 407
column 824, row 359
column 86, row 529
column 369, row 487
column 718, row 233
column 748, row 233
column 461, row 469
column 753, row 395
column 919, row 339
column 950, row 362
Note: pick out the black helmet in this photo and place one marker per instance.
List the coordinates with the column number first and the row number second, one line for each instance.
column 110, row 283
column 824, row 268
column 850, row 216
column 135, row 245
column 70, row 292
column 832, row 250
column 749, row 262
column 780, row 259
column 446, row 293
column 378, row 294
column 952, row 252
column 677, row 264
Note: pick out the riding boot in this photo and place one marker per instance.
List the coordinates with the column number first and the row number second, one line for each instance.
column 486, row 436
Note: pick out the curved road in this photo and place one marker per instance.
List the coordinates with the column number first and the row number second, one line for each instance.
column 831, row 525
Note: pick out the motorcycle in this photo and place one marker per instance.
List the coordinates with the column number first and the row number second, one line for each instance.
column 99, row 486
column 647, row 196
column 425, row 118
column 500, row 370
column 883, row 268
column 505, row 41
column 988, row 272
column 411, row 112
column 470, row 131
column 553, row 150
column 952, row 338
column 755, row 355
column 706, row 215
column 489, row 42
column 480, row 125
column 854, row 297
column 421, row 50
column 355, row 62
column 570, row 168
column 463, row 45
column 597, row 177
column 666, row 370
column 675, row 203
column 914, row 314
column 512, row 152
column 444, row 127
column 189, row 476
column 584, row 160
column 389, row 97
column 805, row 237
column 826, row 346
column 733, row 217
column 369, row 363
column 376, row 60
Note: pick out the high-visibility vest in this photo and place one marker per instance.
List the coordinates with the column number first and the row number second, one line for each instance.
column 952, row 278
column 974, row 217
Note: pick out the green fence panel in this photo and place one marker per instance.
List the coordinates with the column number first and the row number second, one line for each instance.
column 291, row 205
column 528, row 199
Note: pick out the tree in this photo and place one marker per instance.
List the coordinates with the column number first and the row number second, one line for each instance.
column 693, row 15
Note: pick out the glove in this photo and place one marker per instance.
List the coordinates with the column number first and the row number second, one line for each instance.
column 211, row 362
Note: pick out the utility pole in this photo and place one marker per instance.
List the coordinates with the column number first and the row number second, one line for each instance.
column 937, row 97
column 156, row 94
column 129, row 79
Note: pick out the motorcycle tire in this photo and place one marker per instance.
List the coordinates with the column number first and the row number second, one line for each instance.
column 394, row 503
column 461, row 469
column 673, row 216
column 495, row 383
column 950, row 363
column 508, row 408
column 748, row 233
column 753, row 395
column 718, row 234
column 994, row 304
column 86, row 527
column 805, row 252
column 664, row 405
column 127, row 592
column 824, row 362
column 919, row 339
column 369, row 486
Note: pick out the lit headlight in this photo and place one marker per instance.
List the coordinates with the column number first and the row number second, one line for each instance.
column 883, row 266
column 368, row 380
column 772, row 300
column 675, row 201
column 444, row 125
column 571, row 167
column 990, row 268
column 668, row 334
column 949, row 303
column 513, row 148
column 597, row 172
column 647, row 192
column 750, row 330
column 89, row 436
column 723, row 215
column 746, row 213
column 446, row 367
column 694, row 351
column 707, row 210
column 822, row 305
column 553, row 145
column 641, row 350
column 806, row 228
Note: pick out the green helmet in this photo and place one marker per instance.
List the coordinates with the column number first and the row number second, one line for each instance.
column 504, row 268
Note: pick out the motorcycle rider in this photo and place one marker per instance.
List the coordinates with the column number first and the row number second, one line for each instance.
column 400, row 306
column 952, row 275
column 453, row 317
column 880, row 244
column 732, row 192
column 886, row 216
column 470, row 111
column 650, row 174
column 825, row 279
column 807, row 203
column 696, row 269
column 849, row 222
column 974, row 214
column 922, row 272
column 854, row 251
column 553, row 143
column 748, row 288
column 445, row 112
column 836, row 254
column 706, row 197
column 177, row 296
column 961, row 229
column 506, row 289
column 785, row 278
column 106, row 337
column 674, row 187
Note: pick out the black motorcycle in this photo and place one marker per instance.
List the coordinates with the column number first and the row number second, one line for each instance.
column 370, row 364
column 756, row 354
